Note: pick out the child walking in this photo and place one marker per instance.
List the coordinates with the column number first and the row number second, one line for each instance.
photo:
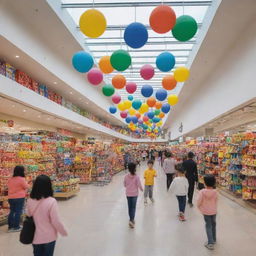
column 149, row 176
column 179, row 187
column 207, row 204
column 132, row 184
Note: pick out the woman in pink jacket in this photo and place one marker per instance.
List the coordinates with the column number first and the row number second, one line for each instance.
column 17, row 190
column 132, row 184
column 44, row 209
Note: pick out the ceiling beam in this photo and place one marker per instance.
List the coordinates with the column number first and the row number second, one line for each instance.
column 147, row 57
column 118, row 38
column 156, row 50
column 135, row 4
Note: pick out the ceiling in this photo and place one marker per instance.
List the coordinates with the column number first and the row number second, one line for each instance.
column 139, row 11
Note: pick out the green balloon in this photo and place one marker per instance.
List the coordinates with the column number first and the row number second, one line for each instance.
column 157, row 112
column 108, row 90
column 120, row 60
column 150, row 120
column 185, row 28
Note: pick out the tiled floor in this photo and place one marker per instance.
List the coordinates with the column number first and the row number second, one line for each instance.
column 98, row 226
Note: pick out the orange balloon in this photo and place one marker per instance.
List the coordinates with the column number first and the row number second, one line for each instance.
column 119, row 81
column 105, row 65
column 161, row 115
column 169, row 83
column 151, row 102
column 162, row 19
column 158, row 105
column 138, row 115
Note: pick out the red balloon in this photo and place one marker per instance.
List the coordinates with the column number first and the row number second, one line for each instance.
column 123, row 114
column 131, row 87
column 116, row 98
column 145, row 118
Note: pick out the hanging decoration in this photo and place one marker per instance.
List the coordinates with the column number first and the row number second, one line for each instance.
column 108, row 90
column 123, row 114
column 119, row 81
column 116, row 98
column 95, row 76
column 121, row 106
column 161, row 94
column 151, row 114
column 105, row 65
column 147, row 72
column 165, row 61
column 165, row 108
column 127, row 104
column 144, row 108
column 172, row 99
column 136, row 104
column 181, row 74
column 151, row 102
column 112, row 109
column 130, row 98
column 131, row 87
column 147, row 90
column 120, row 60
column 92, row 23
column 158, row 105
column 82, row 61
column 169, row 82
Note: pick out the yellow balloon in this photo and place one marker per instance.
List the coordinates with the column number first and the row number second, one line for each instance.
column 121, row 106
column 127, row 104
column 92, row 23
column 181, row 74
column 132, row 112
column 144, row 108
column 173, row 99
column 159, row 123
column 105, row 65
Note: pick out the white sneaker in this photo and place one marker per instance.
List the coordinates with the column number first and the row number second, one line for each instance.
column 209, row 246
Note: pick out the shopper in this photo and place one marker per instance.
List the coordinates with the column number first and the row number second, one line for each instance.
column 132, row 184
column 169, row 168
column 179, row 187
column 207, row 204
column 17, row 190
column 190, row 167
column 149, row 176
column 44, row 209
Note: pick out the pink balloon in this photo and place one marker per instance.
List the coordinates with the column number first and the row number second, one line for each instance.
column 145, row 118
column 116, row 98
column 131, row 87
column 147, row 72
column 95, row 76
column 123, row 114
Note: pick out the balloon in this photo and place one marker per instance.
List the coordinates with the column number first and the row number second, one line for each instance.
column 151, row 115
column 185, row 28
column 181, row 74
column 161, row 115
column 92, row 23
column 120, row 60
column 134, row 119
column 140, row 121
column 123, row 114
column 147, row 90
column 138, row 115
column 136, row 104
column 147, row 72
column 162, row 19
column 131, row 87
column 157, row 112
column 132, row 112
column 156, row 119
column 166, row 108
column 105, row 65
column 159, row 123
column 172, row 99
column 127, row 104
column 118, row 81
column 116, row 98
column 108, row 90
column 95, row 76
column 158, row 105
column 130, row 97
column 121, row 106
column 169, row 83
column 136, row 35
column 161, row 94
column 145, row 127
column 82, row 61
column 112, row 110
column 145, row 118
column 128, row 119
column 165, row 61
column 151, row 102
column 144, row 108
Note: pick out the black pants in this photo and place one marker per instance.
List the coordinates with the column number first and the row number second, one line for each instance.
column 182, row 203
column 191, row 190
column 169, row 179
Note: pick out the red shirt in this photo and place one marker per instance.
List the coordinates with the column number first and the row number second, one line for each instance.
column 17, row 187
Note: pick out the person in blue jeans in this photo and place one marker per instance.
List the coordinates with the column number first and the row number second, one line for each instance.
column 132, row 184
column 17, row 190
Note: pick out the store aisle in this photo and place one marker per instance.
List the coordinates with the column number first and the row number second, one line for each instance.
column 98, row 226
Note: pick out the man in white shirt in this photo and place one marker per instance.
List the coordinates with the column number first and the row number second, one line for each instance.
column 169, row 168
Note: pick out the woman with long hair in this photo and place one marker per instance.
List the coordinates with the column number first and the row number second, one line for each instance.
column 44, row 209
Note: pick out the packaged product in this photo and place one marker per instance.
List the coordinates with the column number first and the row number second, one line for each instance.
column 22, row 78
column 34, row 85
column 2, row 68
column 10, row 71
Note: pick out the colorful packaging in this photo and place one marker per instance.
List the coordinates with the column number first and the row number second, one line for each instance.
column 10, row 71
column 2, row 68
column 22, row 78
column 34, row 85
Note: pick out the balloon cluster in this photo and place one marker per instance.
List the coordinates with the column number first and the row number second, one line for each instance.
column 142, row 116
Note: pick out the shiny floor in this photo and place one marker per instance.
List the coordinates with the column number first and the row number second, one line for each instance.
column 97, row 222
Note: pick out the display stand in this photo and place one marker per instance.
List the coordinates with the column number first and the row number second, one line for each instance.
column 66, row 195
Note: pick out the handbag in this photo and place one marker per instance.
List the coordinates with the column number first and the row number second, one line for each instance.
column 28, row 230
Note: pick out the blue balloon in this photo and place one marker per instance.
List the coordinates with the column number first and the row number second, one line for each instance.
column 130, row 98
column 82, row 61
column 128, row 119
column 145, row 127
column 134, row 119
column 136, row 35
column 156, row 119
column 151, row 114
column 165, row 61
column 136, row 104
column 165, row 108
column 140, row 122
column 161, row 94
column 147, row 90
column 112, row 109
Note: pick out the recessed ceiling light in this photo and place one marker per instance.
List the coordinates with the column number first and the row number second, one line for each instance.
column 24, row 110
column 17, row 56
column 48, row 118
column 87, row 103
column 39, row 116
column 80, row 98
column 55, row 82
column 71, row 92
